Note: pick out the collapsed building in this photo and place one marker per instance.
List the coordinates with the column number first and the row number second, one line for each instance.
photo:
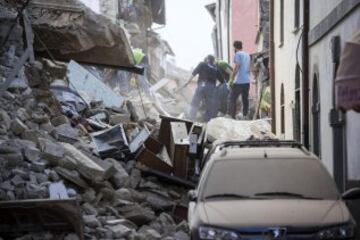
column 67, row 160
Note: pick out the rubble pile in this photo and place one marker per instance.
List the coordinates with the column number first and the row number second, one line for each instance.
column 69, row 163
column 40, row 148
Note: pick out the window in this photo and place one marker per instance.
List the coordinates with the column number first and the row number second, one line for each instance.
column 297, row 14
column 282, row 109
column 127, row 11
column 297, row 106
column 281, row 22
column 301, row 176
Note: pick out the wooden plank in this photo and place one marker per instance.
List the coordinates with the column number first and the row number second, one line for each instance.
column 38, row 215
column 166, row 177
column 179, row 145
column 164, row 135
column 154, row 156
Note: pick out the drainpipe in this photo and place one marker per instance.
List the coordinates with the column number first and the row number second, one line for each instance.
column 305, row 77
column 272, row 68
column 337, row 122
column 229, row 23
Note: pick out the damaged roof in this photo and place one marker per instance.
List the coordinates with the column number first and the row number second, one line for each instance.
column 71, row 31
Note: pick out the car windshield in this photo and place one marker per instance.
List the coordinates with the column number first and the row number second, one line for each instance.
column 270, row 178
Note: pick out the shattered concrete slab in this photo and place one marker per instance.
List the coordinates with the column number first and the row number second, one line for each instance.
column 90, row 87
column 72, row 176
column 66, row 133
column 83, row 162
column 72, row 31
column 51, row 151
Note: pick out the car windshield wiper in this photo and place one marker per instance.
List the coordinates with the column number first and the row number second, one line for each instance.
column 227, row 195
column 286, row 194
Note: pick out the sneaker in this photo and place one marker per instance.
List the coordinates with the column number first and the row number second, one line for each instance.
column 240, row 116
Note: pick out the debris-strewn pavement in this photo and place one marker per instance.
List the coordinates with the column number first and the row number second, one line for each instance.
column 39, row 147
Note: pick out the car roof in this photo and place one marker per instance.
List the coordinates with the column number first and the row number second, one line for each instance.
column 263, row 149
column 246, row 153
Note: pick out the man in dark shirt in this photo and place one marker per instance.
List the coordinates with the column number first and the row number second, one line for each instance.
column 206, row 89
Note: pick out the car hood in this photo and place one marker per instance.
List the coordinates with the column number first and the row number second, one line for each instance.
column 276, row 212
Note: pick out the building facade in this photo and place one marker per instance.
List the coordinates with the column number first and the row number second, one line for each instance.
column 287, row 66
column 334, row 134
column 307, row 39
column 235, row 20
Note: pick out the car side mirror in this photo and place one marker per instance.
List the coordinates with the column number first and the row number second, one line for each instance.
column 351, row 194
column 192, row 195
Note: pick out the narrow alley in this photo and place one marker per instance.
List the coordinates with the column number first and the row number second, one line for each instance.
column 179, row 120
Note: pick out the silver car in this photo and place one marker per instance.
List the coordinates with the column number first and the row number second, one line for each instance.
column 268, row 190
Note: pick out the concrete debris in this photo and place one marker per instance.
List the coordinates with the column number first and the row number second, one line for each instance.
column 17, row 126
column 119, row 231
column 119, row 118
column 49, row 155
column 229, row 129
column 83, row 163
column 91, row 221
column 72, row 31
column 66, row 133
column 72, row 176
column 51, row 151
column 59, row 120
column 90, row 87
column 58, row 191
column 137, row 214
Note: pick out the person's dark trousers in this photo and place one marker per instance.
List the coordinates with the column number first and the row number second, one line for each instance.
column 236, row 90
column 204, row 93
column 221, row 99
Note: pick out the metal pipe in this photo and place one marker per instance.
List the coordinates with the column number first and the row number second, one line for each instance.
column 272, row 69
column 305, row 75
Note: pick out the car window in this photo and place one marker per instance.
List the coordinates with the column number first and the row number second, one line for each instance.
column 255, row 176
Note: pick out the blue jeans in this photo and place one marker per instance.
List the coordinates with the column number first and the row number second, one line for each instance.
column 204, row 92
